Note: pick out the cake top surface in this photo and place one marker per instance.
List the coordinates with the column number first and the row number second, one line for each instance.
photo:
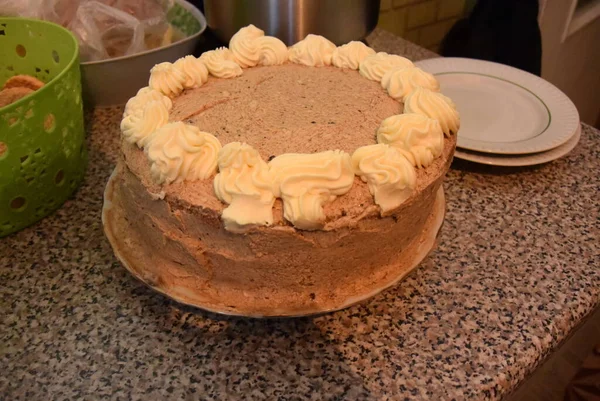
column 259, row 123
column 289, row 109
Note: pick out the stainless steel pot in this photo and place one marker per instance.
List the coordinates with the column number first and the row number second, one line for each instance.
column 291, row 20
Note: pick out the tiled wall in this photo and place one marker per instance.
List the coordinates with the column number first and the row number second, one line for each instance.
column 424, row 22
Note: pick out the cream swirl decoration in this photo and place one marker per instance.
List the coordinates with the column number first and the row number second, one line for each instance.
column 306, row 182
column 400, row 82
column 137, row 127
column 179, row 152
column 245, row 47
column 250, row 47
column 272, row 51
column 434, row 105
column 390, row 176
column 312, row 51
column 167, row 79
column 375, row 66
column 196, row 73
column 419, row 138
column 351, row 55
column 136, row 104
column 245, row 183
column 220, row 63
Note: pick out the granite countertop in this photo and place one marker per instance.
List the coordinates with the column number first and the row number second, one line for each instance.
column 516, row 269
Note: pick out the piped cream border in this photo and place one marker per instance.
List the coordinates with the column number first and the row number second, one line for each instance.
column 312, row 51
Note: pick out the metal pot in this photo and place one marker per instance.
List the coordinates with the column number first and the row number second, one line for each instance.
column 291, row 20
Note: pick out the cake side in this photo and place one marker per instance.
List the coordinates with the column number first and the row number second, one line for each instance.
column 184, row 249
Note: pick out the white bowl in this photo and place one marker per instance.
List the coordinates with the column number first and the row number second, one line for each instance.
column 113, row 81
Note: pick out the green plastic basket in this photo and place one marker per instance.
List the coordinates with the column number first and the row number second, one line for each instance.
column 42, row 137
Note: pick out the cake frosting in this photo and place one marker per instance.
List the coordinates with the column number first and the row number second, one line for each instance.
column 389, row 174
column 402, row 81
column 194, row 70
column 434, row 105
column 244, row 46
column 245, row 183
column 306, row 182
column 179, row 151
column 375, row 66
column 136, row 104
column 250, row 47
column 419, row 138
column 281, row 178
column 312, row 51
column 167, row 79
column 139, row 125
column 220, row 63
column 351, row 55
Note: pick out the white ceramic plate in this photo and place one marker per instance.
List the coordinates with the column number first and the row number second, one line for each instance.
column 521, row 160
column 504, row 110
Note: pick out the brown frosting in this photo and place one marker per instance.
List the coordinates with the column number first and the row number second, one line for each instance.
column 289, row 109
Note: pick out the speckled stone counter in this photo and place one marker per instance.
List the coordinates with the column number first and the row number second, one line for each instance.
column 517, row 268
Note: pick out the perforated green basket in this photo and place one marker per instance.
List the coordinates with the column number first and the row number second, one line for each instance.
column 42, row 147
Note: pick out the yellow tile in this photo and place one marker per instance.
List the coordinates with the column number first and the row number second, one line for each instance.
column 451, row 8
column 385, row 5
column 421, row 14
column 393, row 21
column 402, row 3
column 433, row 34
column 412, row 35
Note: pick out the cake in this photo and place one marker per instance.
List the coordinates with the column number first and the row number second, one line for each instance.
column 262, row 180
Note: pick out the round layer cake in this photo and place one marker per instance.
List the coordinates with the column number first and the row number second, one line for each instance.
column 264, row 183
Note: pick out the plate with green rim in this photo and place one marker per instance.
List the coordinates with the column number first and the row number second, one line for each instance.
column 504, row 110
column 530, row 159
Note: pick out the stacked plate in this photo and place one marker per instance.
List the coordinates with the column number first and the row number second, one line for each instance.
column 509, row 117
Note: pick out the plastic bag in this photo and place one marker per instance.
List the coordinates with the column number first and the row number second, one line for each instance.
column 105, row 28
column 57, row 11
column 143, row 10
column 106, row 32
column 152, row 15
column 113, row 28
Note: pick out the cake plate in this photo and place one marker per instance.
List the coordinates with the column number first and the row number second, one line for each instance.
column 122, row 245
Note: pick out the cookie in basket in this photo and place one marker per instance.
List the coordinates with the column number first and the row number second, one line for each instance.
column 23, row 81
column 17, row 87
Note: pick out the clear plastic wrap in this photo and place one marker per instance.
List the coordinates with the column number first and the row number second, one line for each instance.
column 105, row 28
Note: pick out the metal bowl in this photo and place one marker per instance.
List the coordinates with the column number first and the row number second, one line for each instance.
column 114, row 81
column 291, row 20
